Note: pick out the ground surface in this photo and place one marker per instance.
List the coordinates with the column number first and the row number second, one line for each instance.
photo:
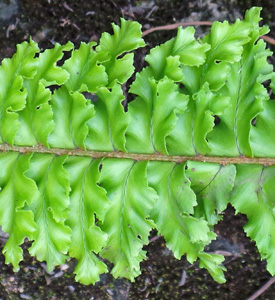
column 163, row 277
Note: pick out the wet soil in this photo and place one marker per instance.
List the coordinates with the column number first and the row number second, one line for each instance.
column 163, row 277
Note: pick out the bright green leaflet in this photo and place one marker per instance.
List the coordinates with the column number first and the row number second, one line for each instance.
column 131, row 201
column 87, row 201
column 18, row 191
column 85, row 175
column 50, row 209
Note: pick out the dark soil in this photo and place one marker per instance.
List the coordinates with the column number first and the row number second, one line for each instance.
column 163, row 277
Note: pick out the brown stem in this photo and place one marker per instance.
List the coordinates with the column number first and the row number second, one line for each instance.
column 194, row 23
column 262, row 289
column 139, row 156
column 176, row 25
column 268, row 39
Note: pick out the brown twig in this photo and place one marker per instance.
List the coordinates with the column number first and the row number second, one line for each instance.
column 194, row 23
column 176, row 25
column 262, row 289
column 268, row 39
column 154, row 238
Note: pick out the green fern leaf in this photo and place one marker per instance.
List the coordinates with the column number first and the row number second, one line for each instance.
column 71, row 112
column 125, row 39
column 107, row 129
column 175, row 206
column 13, row 95
column 36, row 118
column 213, row 263
column 87, row 200
column 147, row 130
column 253, row 195
column 17, row 192
column 165, row 60
column 52, row 237
column 131, row 200
column 86, row 73
column 232, row 136
column 195, row 123
column 212, row 184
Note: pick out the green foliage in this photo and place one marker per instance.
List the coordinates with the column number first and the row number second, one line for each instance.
column 93, row 195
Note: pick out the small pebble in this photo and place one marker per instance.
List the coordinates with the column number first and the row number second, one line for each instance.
column 23, row 296
column 110, row 292
column 59, row 274
column 183, row 278
column 64, row 267
column 71, row 288
column 4, row 282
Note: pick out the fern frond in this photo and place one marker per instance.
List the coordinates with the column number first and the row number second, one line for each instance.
column 85, row 175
